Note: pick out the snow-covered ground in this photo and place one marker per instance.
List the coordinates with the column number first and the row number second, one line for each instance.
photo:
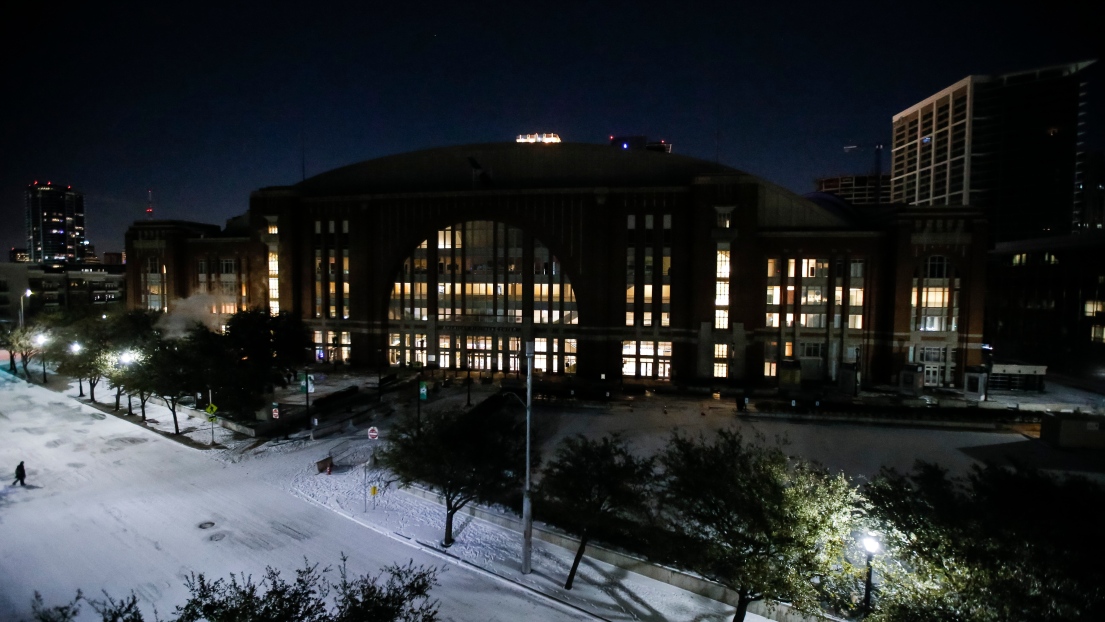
column 112, row 506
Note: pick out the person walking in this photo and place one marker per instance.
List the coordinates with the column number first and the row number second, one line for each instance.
column 20, row 474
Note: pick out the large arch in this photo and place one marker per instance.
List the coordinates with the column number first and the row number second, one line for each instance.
column 474, row 293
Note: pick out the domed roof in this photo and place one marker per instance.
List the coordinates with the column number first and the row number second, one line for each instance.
column 508, row 166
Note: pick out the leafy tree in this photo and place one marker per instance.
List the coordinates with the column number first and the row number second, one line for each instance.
column 404, row 596
column 764, row 525
column 594, row 487
column 476, row 455
column 999, row 544
column 132, row 334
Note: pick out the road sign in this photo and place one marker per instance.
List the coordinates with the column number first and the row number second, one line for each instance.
column 373, row 433
column 306, row 383
column 211, row 408
column 372, row 490
column 212, row 419
column 422, row 391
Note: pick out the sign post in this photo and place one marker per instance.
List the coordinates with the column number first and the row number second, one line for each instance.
column 211, row 418
column 275, row 410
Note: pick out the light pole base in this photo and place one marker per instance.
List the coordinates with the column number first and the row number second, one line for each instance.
column 527, row 533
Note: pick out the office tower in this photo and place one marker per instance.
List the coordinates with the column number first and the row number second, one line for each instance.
column 55, row 223
column 1009, row 144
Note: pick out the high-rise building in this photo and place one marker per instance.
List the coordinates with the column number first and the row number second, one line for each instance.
column 55, row 223
column 1009, row 144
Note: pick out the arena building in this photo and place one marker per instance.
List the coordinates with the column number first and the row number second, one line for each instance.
column 619, row 264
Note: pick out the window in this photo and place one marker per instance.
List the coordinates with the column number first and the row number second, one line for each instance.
column 201, row 266
column 1020, row 259
column 721, row 370
column 226, row 266
column 721, row 319
column 273, row 229
column 855, row 297
column 772, row 268
column 936, row 267
column 773, row 295
column 769, row 368
column 812, row 320
column 1094, row 306
column 930, row 354
column 813, row 295
column 723, row 262
column 721, row 350
column 771, row 320
column 721, row 297
column 1050, row 258
column 855, row 321
column 809, row 349
column 1097, row 333
column 815, row 268
column 631, row 222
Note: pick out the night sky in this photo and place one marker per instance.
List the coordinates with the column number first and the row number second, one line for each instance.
column 204, row 104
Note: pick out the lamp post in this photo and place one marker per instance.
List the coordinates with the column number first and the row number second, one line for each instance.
column 126, row 358
column 527, row 507
column 872, row 546
column 76, row 350
column 26, row 294
column 40, row 341
column 469, row 367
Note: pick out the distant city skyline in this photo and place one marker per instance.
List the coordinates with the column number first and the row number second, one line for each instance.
column 205, row 105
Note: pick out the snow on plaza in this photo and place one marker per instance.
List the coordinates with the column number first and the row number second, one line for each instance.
column 111, row 505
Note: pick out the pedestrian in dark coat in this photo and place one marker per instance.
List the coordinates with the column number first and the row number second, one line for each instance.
column 20, row 475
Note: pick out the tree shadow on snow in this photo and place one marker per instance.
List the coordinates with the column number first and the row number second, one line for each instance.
column 611, row 583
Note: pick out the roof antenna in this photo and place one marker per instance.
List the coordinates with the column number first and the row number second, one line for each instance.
column 149, row 205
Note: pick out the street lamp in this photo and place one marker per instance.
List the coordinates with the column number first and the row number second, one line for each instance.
column 527, row 507
column 469, row 367
column 76, row 350
column 871, row 545
column 40, row 341
column 26, row 294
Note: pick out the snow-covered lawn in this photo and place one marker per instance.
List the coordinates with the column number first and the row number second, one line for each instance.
column 112, row 506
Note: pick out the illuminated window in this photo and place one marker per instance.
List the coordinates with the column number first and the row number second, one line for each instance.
column 773, row 295
column 813, row 295
column 721, row 350
column 772, row 268
column 1020, row 259
column 855, row 321
column 812, row 320
column 855, row 297
column 723, row 263
column 721, row 370
column 769, row 368
column 273, row 229
column 721, row 319
column 721, row 293
column 772, row 320
column 1094, row 306
column 1097, row 333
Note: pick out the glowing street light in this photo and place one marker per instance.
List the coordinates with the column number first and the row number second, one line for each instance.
column 871, row 545
column 26, row 294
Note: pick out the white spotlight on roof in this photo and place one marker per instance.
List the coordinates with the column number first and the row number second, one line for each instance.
column 537, row 138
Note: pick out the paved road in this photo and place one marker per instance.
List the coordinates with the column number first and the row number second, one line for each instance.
column 112, row 506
